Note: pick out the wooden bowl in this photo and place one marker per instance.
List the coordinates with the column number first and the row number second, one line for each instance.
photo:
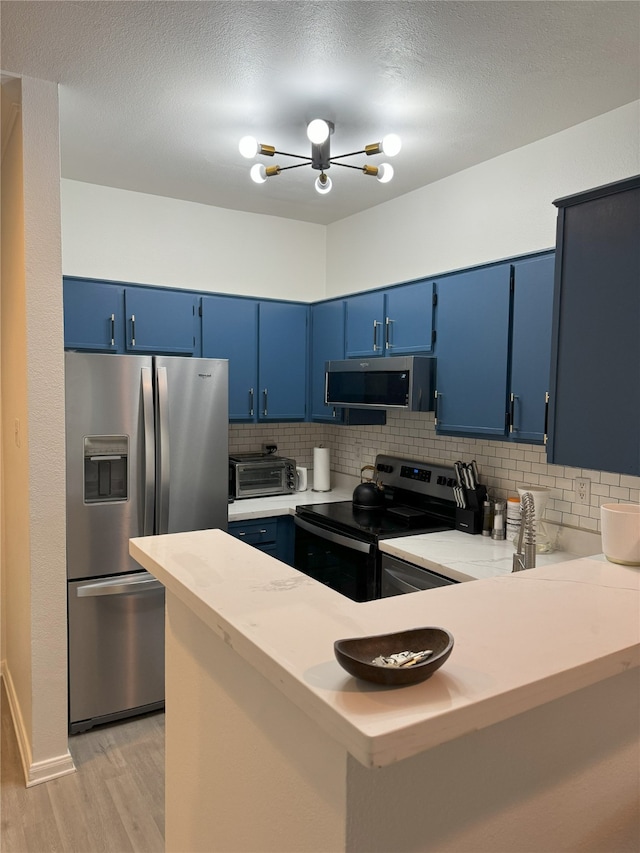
column 356, row 655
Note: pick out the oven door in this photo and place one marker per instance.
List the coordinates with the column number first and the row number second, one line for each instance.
column 399, row 577
column 341, row 562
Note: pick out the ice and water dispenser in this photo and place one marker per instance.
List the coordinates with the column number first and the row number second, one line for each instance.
column 105, row 468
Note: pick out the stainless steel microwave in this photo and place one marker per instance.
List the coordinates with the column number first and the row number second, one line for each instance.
column 256, row 475
column 398, row 382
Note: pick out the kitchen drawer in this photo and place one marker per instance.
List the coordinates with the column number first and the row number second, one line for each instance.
column 258, row 533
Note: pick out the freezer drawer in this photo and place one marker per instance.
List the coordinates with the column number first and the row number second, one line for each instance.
column 116, row 648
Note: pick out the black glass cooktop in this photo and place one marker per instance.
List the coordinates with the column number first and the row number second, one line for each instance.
column 373, row 524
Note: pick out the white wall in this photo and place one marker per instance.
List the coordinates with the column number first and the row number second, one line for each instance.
column 491, row 211
column 127, row 236
column 34, row 559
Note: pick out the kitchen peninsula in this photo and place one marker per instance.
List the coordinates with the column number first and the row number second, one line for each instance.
column 526, row 739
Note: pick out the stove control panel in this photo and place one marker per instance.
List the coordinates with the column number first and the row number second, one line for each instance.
column 423, row 475
column 424, row 478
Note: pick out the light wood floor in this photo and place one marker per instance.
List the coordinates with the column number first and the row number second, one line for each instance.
column 112, row 804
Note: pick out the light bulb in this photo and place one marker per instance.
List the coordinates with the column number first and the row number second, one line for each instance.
column 258, row 173
column 385, row 173
column 248, row 146
column 317, row 131
column 391, row 144
column 323, row 184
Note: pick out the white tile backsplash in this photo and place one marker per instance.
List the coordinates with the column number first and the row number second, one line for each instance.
column 503, row 466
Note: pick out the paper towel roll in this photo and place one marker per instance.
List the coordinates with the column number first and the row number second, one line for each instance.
column 321, row 470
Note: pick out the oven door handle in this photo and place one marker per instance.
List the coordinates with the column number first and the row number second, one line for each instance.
column 399, row 583
column 336, row 538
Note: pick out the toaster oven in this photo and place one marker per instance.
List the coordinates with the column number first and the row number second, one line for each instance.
column 256, row 475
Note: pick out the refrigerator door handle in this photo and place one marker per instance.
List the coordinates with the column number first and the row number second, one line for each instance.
column 140, row 582
column 162, row 439
column 148, row 475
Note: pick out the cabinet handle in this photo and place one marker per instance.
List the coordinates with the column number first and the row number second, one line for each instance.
column 436, row 397
column 241, row 533
column 251, row 402
column 546, row 417
column 263, row 531
column 133, row 330
column 375, row 335
column 264, row 397
column 113, row 330
column 387, row 333
column 512, row 412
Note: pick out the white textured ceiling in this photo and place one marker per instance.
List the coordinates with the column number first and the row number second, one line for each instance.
column 154, row 96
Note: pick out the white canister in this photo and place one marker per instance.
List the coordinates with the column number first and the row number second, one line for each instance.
column 620, row 526
column 513, row 518
column 302, row 479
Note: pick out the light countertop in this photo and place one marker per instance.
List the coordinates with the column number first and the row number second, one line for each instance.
column 520, row 640
column 454, row 554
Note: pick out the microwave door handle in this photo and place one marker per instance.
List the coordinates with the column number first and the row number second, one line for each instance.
column 336, row 538
column 162, row 451
column 148, row 461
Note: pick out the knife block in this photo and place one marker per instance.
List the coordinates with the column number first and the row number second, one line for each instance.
column 469, row 520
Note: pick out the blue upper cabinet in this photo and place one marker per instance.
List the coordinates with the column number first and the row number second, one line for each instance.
column 395, row 321
column 282, row 361
column 158, row 320
column 365, row 324
column 93, row 315
column 408, row 318
column 594, row 411
column 531, row 348
column 472, row 351
column 266, row 344
column 327, row 344
column 230, row 330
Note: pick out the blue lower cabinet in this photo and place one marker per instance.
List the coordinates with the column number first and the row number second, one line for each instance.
column 93, row 315
column 158, row 320
column 230, row 330
column 274, row 536
column 472, row 348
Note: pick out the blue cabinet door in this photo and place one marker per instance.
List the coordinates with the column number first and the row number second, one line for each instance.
column 327, row 344
column 408, row 320
column 93, row 315
column 161, row 321
column 531, row 347
column 472, row 351
column 230, row 330
column 365, row 326
column 282, row 361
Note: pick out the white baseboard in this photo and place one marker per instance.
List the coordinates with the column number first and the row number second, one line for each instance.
column 39, row 771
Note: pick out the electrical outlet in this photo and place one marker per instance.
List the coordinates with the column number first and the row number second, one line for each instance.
column 583, row 490
column 357, row 450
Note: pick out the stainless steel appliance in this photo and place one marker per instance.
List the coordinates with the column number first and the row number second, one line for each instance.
column 257, row 475
column 398, row 382
column 399, row 577
column 147, row 453
column 337, row 543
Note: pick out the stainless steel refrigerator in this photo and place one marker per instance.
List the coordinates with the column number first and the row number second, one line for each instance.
column 146, row 453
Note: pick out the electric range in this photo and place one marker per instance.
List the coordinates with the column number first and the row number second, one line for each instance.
column 337, row 543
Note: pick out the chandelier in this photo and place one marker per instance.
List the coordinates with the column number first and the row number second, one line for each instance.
column 319, row 135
